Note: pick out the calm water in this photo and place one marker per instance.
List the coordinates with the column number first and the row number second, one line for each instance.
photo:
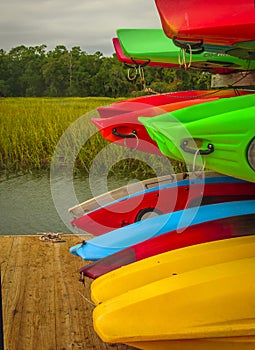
column 28, row 205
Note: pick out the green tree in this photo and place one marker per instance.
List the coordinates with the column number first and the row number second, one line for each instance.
column 32, row 71
column 16, row 66
column 56, row 72
column 32, row 78
column 111, row 79
column 4, row 74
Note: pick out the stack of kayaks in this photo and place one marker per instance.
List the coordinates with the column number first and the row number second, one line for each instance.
column 210, row 230
column 199, row 297
column 116, row 240
column 155, row 46
column 173, row 257
column 124, row 127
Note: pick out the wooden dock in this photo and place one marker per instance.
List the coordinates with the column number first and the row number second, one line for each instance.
column 45, row 307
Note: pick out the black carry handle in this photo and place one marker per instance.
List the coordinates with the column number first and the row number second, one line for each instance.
column 196, row 48
column 136, row 64
column 124, row 136
column 194, row 151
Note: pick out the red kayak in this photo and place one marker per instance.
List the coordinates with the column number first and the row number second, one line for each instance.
column 127, row 131
column 201, row 233
column 228, row 23
column 135, row 63
column 143, row 102
column 164, row 199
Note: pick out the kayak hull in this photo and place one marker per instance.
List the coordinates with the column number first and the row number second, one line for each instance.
column 226, row 343
column 214, row 230
column 124, row 191
column 154, row 45
column 127, row 60
column 224, row 130
column 229, row 30
column 143, row 102
column 210, row 303
column 116, row 240
column 162, row 265
column 130, row 62
column 161, row 200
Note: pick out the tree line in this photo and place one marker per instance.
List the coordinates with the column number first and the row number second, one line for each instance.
column 35, row 72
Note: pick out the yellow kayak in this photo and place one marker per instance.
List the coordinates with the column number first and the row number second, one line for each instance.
column 203, row 308
column 170, row 263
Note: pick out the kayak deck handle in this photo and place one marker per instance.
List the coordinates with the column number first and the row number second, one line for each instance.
column 210, row 149
column 196, row 48
column 136, row 64
column 124, row 136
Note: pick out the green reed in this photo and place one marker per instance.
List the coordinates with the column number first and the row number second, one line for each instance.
column 31, row 128
column 38, row 132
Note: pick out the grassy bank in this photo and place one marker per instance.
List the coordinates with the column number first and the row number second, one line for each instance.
column 31, row 129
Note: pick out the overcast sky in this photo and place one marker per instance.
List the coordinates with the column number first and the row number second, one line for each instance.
column 90, row 24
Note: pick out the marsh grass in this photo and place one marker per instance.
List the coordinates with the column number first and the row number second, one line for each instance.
column 31, row 129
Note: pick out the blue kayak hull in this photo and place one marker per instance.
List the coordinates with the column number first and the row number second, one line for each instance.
column 114, row 241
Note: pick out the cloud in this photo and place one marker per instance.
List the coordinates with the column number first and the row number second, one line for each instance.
column 90, row 24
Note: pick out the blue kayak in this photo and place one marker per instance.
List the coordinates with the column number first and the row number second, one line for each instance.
column 114, row 241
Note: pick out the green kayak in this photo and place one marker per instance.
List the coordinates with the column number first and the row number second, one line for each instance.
column 220, row 133
column 153, row 45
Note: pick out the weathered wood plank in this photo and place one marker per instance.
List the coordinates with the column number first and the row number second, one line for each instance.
column 45, row 307
column 13, row 293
